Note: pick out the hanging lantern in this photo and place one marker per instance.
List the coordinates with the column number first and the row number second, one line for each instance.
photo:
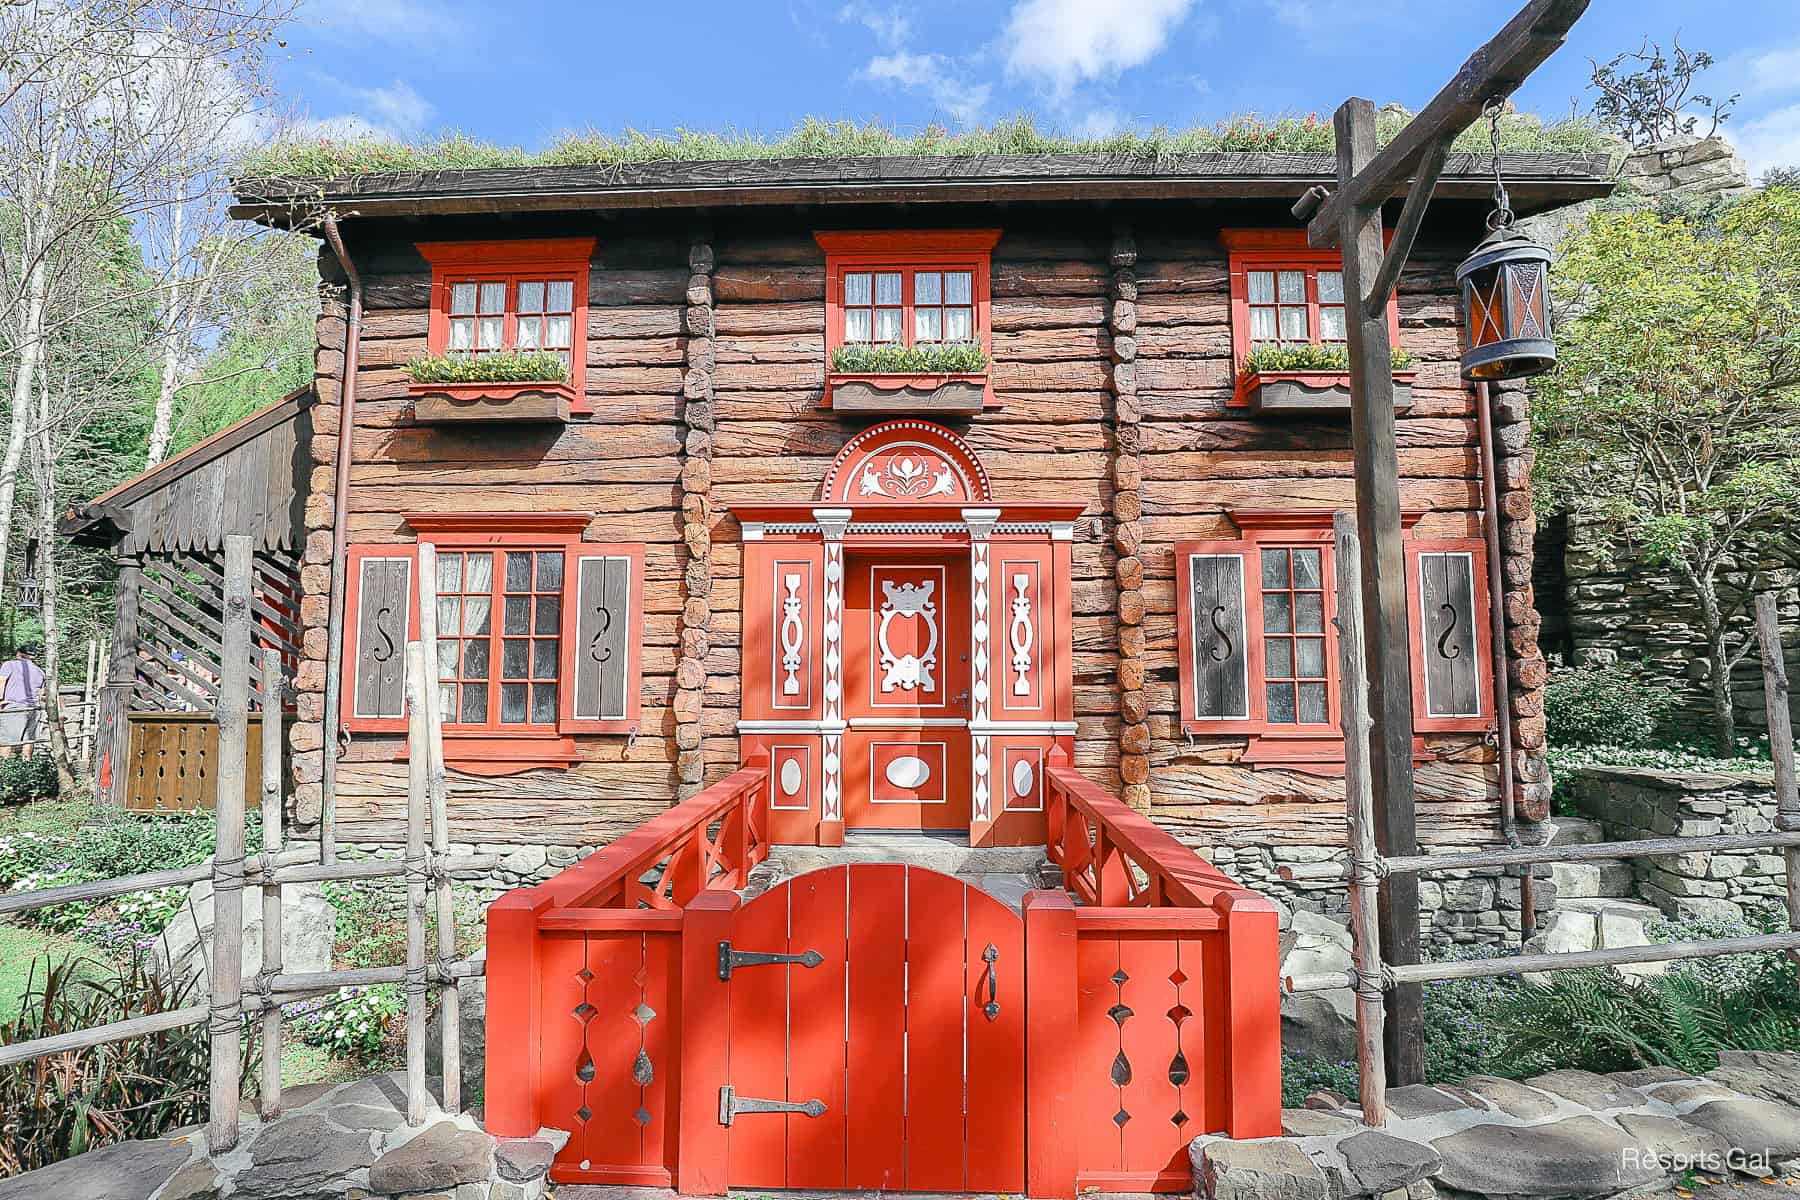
column 30, row 593
column 1506, row 294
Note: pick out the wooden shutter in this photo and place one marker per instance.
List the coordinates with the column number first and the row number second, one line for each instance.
column 607, row 622
column 1447, row 634
column 383, row 583
column 1219, row 673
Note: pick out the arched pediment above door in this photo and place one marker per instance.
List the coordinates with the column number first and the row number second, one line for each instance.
column 906, row 462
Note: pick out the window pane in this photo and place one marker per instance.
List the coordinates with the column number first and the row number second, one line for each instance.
column 549, row 614
column 462, row 298
column 959, row 287
column 1262, row 324
column 1293, row 287
column 1275, row 568
column 857, row 326
column 475, row 659
column 481, row 573
column 1262, row 287
column 518, row 615
column 449, row 573
column 518, row 570
column 447, row 662
column 1306, row 568
column 527, row 338
column 493, row 297
column 531, row 295
column 1331, row 324
column 543, row 703
column 1309, row 612
column 1276, row 615
column 1278, row 658
column 477, row 613
column 856, row 288
column 491, row 332
column 474, row 705
column 512, row 704
column 557, row 335
column 462, row 335
column 1293, row 324
column 543, row 658
column 928, row 287
column 449, row 615
column 447, row 700
column 1312, row 704
column 549, row 571
column 929, row 325
column 1331, row 287
column 561, row 296
column 514, row 657
column 887, row 287
column 887, row 324
column 1281, row 703
column 1312, row 658
column 959, row 324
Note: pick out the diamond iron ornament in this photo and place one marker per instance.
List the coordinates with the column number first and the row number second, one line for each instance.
column 1506, row 293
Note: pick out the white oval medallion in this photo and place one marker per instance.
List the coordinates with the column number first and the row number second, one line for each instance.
column 790, row 777
column 1022, row 778
column 908, row 771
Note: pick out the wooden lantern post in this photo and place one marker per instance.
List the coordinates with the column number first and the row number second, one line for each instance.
column 1350, row 217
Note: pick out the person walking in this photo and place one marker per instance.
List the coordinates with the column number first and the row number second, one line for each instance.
column 21, row 698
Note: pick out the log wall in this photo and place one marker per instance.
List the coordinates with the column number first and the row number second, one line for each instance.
column 705, row 367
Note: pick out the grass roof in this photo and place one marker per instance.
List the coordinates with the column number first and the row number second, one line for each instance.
column 336, row 158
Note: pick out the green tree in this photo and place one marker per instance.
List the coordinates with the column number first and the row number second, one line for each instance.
column 1674, row 414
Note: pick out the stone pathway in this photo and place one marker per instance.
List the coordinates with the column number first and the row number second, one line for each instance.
column 1565, row 1133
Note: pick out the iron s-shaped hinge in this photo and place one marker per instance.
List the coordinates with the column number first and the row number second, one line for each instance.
column 731, row 1104
column 730, row 960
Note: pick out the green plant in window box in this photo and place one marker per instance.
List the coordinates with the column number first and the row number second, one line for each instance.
column 939, row 358
column 510, row 367
column 1310, row 357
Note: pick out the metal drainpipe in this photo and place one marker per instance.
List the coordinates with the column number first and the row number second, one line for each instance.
column 1490, row 514
column 340, row 504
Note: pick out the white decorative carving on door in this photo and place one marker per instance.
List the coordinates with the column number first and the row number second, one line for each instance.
column 908, row 672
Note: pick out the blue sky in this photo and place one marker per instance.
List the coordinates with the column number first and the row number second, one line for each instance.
column 522, row 71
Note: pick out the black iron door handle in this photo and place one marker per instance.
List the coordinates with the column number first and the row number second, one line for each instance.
column 992, row 1008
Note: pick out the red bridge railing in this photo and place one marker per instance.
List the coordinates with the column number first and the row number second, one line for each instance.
column 1155, row 1004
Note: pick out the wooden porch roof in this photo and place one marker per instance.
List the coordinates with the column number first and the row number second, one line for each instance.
column 1536, row 181
column 249, row 477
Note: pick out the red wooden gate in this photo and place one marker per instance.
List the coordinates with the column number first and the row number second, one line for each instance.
column 876, row 1035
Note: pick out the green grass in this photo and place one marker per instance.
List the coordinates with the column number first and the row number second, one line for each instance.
column 24, row 950
column 331, row 158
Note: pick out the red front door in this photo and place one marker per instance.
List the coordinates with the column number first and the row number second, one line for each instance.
column 906, row 690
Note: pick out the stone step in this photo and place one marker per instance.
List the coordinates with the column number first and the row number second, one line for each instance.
column 949, row 854
column 1606, row 877
column 1576, row 831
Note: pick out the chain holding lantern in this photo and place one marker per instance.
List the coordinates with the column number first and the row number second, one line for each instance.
column 1506, row 292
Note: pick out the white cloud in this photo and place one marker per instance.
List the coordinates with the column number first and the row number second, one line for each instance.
column 1065, row 42
column 395, row 112
column 423, row 23
column 891, row 28
column 1770, row 72
column 1771, row 140
column 934, row 75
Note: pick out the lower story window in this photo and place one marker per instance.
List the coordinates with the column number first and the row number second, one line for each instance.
column 525, row 588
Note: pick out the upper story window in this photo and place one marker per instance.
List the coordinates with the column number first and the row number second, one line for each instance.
column 1294, row 305
column 877, row 304
column 512, row 297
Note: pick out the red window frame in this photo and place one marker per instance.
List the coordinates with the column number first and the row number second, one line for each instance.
column 510, row 262
column 907, row 252
column 1281, row 250
column 1319, row 746
column 493, row 747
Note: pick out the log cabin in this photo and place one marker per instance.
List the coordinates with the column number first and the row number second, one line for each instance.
column 892, row 494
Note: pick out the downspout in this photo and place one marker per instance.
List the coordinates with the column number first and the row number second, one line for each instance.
column 1490, row 524
column 340, row 505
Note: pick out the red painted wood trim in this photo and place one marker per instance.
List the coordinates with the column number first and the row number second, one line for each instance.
column 506, row 260
column 1093, row 921
column 1052, row 1127
column 609, row 1176
column 611, row 920
column 1253, row 1017
column 494, row 391
column 705, row 1048
column 499, row 529
column 1163, row 1182
column 1476, row 548
column 513, row 993
column 908, row 241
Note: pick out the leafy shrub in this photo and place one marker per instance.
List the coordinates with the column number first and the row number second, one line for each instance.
column 510, row 367
column 943, row 358
column 27, row 778
column 1302, row 1076
column 1311, row 358
column 141, row 1088
column 1603, row 704
column 353, row 1024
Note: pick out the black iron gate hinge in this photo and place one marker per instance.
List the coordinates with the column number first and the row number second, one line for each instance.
column 730, row 960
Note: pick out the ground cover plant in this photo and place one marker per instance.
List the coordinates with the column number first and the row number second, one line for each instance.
column 944, row 358
column 508, row 367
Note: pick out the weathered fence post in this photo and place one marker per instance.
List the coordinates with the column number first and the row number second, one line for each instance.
column 272, row 894
column 1359, row 811
column 418, row 768
column 1781, row 743
column 228, row 855
column 449, row 990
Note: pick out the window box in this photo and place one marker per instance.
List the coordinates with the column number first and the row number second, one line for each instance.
column 849, row 391
column 1310, row 391
column 440, row 403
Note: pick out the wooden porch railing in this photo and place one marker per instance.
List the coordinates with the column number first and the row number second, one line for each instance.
column 584, row 983
column 1155, row 1004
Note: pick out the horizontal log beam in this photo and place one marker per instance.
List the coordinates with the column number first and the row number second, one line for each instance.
column 99, row 1035
column 103, row 889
